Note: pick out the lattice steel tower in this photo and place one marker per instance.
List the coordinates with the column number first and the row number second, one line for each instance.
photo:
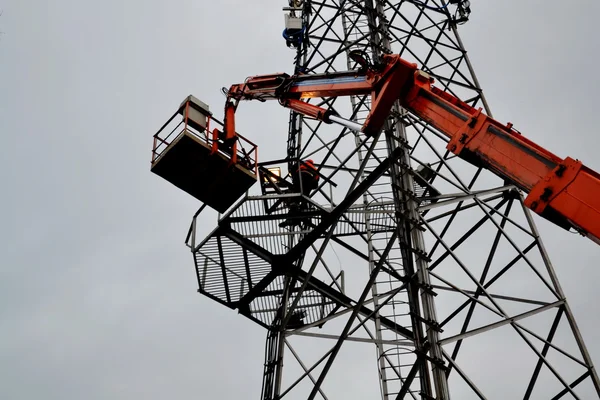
column 409, row 253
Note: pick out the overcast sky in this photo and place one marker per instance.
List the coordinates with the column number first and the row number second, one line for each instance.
column 97, row 291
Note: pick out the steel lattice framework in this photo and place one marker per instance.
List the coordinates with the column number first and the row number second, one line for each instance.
column 441, row 272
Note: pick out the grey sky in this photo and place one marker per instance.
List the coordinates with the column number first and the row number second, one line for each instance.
column 97, row 291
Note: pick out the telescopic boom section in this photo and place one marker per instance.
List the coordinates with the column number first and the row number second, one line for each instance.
column 563, row 191
column 383, row 83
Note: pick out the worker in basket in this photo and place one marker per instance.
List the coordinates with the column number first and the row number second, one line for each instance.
column 305, row 179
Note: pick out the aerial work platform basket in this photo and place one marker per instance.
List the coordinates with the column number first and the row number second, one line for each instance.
column 188, row 155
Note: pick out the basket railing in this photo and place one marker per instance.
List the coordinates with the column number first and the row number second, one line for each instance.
column 246, row 152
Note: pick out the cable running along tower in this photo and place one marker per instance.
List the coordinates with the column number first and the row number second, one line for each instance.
column 413, row 274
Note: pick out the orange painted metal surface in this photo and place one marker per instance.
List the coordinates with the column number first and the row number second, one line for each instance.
column 307, row 109
column 563, row 191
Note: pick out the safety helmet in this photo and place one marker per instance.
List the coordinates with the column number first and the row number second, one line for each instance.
column 309, row 162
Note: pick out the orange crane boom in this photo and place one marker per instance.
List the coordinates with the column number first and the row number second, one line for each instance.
column 563, row 191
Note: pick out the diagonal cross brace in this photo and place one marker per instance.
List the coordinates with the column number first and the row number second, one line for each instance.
column 280, row 266
column 350, row 321
column 345, row 301
column 337, row 212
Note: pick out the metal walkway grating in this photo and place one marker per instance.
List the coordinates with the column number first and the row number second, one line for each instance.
column 233, row 274
column 257, row 219
column 313, row 306
column 226, row 270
